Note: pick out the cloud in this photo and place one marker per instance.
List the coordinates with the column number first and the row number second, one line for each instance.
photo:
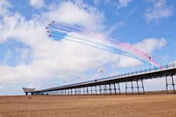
column 172, row 63
column 4, row 5
column 123, row 3
column 159, row 10
column 150, row 44
column 81, row 14
column 114, row 27
column 14, row 53
column 36, row 3
column 126, row 62
column 118, row 3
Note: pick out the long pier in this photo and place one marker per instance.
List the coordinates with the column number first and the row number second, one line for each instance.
column 112, row 85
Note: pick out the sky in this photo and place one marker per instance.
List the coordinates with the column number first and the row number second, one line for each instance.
column 30, row 58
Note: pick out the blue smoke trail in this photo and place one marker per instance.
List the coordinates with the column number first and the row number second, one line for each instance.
column 111, row 49
column 100, row 46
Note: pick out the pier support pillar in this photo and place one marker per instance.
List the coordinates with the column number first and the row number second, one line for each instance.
column 100, row 89
column 172, row 84
column 115, row 89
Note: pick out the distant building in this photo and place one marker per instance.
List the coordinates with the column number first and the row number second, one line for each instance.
column 28, row 90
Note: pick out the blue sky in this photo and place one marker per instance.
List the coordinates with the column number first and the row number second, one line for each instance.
column 29, row 58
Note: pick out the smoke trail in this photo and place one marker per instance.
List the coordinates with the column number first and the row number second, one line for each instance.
column 66, row 27
column 94, row 44
column 125, row 49
column 136, row 52
column 130, row 49
column 89, row 43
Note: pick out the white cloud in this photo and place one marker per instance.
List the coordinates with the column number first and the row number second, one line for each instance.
column 124, row 61
column 110, row 30
column 150, row 44
column 123, row 3
column 37, row 3
column 118, row 3
column 1, row 87
column 4, row 5
column 158, row 11
column 173, row 63
column 69, row 12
